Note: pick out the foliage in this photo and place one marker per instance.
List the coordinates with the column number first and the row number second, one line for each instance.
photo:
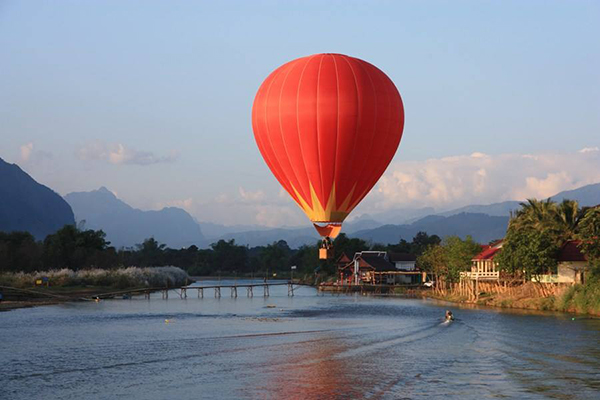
column 419, row 244
column 150, row 252
column 589, row 233
column 559, row 221
column 19, row 251
column 582, row 298
column 445, row 261
column 538, row 230
column 230, row 257
column 434, row 261
column 73, row 248
column 120, row 278
column 529, row 251
column 459, row 254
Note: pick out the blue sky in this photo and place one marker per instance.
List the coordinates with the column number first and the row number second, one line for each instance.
column 152, row 99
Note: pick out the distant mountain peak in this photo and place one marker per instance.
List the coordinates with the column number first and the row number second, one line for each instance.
column 103, row 189
column 126, row 226
column 26, row 205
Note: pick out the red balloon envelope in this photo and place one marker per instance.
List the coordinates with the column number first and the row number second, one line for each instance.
column 327, row 126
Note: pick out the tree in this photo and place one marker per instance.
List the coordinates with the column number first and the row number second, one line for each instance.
column 19, row 252
column 275, row 257
column 229, row 257
column 459, row 254
column 560, row 221
column 306, row 258
column 422, row 241
column 343, row 244
column 589, row 234
column 150, row 253
column 434, row 262
column 529, row 251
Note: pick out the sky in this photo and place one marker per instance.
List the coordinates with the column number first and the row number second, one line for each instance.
column 152, row 99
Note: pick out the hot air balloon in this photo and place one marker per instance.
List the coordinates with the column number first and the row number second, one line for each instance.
column 327, row 126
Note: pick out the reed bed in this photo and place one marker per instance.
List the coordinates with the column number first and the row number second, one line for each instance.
column 168, row 276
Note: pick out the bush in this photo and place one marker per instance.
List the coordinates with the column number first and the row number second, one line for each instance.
column 120, row 278
column 584, row 299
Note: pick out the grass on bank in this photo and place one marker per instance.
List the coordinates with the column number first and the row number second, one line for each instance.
column 121, row 278
column 582, row 299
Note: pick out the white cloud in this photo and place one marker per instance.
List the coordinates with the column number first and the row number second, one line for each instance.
column 481, row 179
column 26, row 150
column 117, row 153
column 251, row 207
column 442, row 183
column 33, row 157
column 256, row 196
column 589, row 149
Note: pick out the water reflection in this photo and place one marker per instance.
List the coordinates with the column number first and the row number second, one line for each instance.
column 305, row 347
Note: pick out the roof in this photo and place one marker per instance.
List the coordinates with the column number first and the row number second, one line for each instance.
column 570, row 252
column 343, row 259
column 396, row 257
column 487, row 254
column 379, row 263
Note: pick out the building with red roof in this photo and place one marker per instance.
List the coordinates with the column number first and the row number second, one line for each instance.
column 380, row 267
column 571, row 267
column 572, row 263
column 483, row 266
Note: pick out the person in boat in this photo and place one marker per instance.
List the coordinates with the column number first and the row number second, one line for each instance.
column 449, row 316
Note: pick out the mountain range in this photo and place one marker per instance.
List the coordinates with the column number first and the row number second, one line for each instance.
column 483, row 222
column 26, row 205
column 126, row 226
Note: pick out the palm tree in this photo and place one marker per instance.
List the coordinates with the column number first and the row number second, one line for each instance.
column 561, row 221
column 567, row 217
column 589, row 233
column 534, row 214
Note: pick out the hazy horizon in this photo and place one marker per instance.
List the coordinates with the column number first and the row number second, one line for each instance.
column 152, row 99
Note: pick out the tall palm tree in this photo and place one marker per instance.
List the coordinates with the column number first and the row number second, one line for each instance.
column 535, row 214
column 561, row 221
column 567, row 216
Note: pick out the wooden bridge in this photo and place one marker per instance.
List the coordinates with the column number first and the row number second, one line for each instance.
column 218, row 290
column 182, row 291
column 233, row 289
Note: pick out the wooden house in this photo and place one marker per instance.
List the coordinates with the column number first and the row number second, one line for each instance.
column 379, row 267
column 483, row 266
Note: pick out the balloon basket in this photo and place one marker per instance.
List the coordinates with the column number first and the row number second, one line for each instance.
column 325, row 254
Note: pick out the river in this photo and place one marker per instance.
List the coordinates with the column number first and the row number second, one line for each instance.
column 308, row 346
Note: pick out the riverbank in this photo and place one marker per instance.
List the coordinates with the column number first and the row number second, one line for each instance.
column 15, row 298
column 575, row 299
column 59, row 286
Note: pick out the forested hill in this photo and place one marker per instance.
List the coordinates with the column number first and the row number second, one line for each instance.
column 26, row 205
column 481, row 227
